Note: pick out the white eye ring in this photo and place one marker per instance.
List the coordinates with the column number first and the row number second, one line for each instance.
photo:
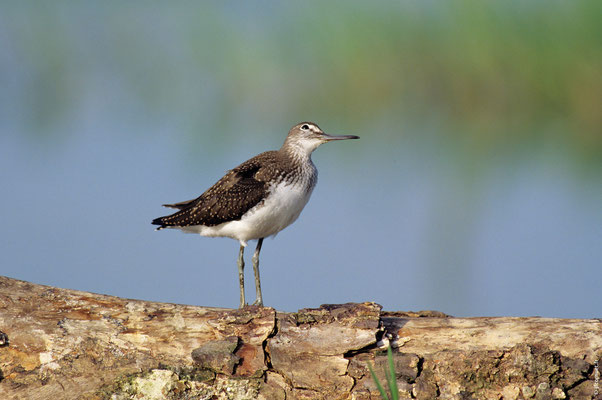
column 305, row 127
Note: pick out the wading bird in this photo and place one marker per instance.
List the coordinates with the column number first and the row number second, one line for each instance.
column 257, row 199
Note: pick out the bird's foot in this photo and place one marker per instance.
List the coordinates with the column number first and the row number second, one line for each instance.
column 257, row 302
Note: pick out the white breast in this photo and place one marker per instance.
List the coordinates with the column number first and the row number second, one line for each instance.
column 282, row 207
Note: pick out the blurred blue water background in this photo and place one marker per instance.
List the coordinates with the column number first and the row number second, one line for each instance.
column 476, row 187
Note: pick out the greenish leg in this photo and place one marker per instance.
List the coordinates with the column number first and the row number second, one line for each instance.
column 259, row 299
column 241, row 275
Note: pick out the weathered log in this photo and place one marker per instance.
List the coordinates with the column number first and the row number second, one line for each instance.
column 67, row 344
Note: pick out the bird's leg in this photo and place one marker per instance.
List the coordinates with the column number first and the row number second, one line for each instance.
column 259, row 299
column 241, row 275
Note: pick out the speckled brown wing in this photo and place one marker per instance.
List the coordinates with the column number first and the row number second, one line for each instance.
column 237, row 192
column 181, row 205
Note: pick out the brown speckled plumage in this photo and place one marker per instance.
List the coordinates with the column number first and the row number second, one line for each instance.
column 241, row 189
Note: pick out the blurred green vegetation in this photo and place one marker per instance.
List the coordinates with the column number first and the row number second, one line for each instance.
column 482, row 77
column 480, row 120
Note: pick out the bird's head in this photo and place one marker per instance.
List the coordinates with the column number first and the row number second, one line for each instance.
column 305, row 137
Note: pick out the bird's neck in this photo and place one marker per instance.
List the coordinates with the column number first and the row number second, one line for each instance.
column 297, row 152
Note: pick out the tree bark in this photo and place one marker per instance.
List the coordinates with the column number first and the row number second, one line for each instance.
column 67, row 344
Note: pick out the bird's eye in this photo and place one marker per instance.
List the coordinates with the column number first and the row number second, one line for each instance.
column 305, row 127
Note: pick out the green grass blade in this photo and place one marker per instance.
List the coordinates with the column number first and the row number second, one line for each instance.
column 391, row 378
column 377, row 382
column 388, row 377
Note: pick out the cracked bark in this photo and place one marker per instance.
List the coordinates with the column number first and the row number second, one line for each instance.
column 66, row 344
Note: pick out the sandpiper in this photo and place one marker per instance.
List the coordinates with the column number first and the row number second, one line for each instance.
column 257, row 199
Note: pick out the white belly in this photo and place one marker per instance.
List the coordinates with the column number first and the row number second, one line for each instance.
column 281, row 208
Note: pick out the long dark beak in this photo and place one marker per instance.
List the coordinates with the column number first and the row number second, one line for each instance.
column 330, row 138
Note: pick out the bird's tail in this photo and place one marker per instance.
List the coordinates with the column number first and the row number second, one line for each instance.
column 159, row 221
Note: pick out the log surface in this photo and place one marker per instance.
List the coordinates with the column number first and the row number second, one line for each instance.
column 67, row 344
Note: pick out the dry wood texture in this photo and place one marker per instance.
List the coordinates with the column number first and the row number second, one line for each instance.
column 66, row 344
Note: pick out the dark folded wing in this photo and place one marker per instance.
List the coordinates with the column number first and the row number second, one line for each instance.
column 181, row 205
column 232, row 196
